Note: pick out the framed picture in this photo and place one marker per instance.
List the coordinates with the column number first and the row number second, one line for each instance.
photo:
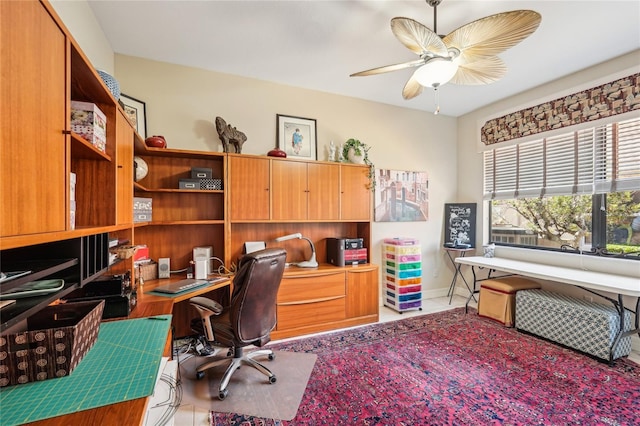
column 460, row 224
column 134, row 109
column 297, row 136
column 401, row 196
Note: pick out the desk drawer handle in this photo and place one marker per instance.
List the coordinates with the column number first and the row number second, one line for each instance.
column 306, row 302
column 326, row 274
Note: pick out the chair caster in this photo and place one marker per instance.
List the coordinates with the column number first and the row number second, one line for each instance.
column 223, row 394
column 272, row 356
column 199, row 375
column 272, row 379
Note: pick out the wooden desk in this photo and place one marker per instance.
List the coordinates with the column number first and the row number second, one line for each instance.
column 130, row 412
column 591, row 281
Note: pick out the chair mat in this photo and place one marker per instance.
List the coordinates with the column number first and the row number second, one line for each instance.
column 250, row 392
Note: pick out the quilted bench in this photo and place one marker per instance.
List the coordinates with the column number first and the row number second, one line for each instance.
column 586, row 326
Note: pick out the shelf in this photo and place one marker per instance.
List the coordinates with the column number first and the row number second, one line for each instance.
column 19, row 311
column 24, row 308
column 39, row 269
column 181, row 222
column 83, row 149
column 139, row 187
column 142, row 149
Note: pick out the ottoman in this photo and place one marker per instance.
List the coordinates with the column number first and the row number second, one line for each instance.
column 498, row 297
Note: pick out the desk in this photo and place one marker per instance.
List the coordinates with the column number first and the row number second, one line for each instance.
column 453, row 254
column 131, row 412
column 590, row 281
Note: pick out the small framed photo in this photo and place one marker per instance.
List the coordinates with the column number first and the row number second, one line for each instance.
column 297, row 136
column 134, row 109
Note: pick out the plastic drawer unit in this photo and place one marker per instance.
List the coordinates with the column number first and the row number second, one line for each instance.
column 402, row 274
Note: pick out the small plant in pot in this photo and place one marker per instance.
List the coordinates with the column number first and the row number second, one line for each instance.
column 357, row 152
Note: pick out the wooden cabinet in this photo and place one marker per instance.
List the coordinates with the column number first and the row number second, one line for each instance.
column 304, row 191
column 326, row 298
column 124, row 170
column 355, row 193
column 181, row 218
column 362, row 292
column 43, row 70
column 33, row 176
column 307, row 302
column 249, row 194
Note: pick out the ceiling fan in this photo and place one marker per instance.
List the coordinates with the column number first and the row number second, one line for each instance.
column 467, row 55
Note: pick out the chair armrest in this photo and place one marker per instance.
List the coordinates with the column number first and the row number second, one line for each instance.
column 205, row 303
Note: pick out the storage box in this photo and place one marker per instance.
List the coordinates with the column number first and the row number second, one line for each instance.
column 586, row 326
column 497, row 298
column 142, row 209
column 189, row 184
column 89, row 122
column 211, row 184
column 201, row 173
column 56, row 340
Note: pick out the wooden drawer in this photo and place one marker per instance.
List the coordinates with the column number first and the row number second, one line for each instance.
column 308, row 301
column 296, row 290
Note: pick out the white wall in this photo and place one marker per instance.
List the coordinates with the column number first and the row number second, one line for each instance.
column 81, row 22
column 182, row 104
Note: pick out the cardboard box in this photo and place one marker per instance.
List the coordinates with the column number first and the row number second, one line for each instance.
column 89, row 122
column 56, row 340
column 142, row 209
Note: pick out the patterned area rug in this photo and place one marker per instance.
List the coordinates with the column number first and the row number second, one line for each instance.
column 452, row 368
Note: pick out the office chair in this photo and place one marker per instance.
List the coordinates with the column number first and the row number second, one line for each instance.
column 249, row 318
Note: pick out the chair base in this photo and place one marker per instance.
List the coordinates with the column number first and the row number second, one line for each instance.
column 236, row 361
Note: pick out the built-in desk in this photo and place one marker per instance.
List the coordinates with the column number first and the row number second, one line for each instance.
column 131, row 412
column 594, row 282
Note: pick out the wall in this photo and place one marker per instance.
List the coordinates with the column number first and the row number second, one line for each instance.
column 81, row 22
column 182, row 104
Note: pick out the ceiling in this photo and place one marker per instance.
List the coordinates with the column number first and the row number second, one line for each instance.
column 317, row 44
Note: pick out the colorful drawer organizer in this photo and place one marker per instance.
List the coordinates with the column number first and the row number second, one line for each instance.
column 402, row 274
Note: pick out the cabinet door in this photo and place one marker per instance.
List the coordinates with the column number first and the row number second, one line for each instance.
column 124, row 170
column 289, row 191
column 355, row 195
column 33, row 191
column 362, row 292
column 249, row 188
column 324, row 188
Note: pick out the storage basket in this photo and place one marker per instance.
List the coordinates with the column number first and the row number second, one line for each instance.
column 56, row 340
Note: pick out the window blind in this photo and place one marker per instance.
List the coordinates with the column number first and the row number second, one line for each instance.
column 598, row 160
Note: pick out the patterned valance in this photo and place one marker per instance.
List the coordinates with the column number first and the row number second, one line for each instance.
column 609, row 99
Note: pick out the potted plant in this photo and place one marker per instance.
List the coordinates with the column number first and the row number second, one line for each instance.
column 357, row 152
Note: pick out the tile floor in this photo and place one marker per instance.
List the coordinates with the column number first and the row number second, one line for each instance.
column 188, row 415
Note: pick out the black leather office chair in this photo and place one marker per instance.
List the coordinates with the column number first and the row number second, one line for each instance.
column 249, row 318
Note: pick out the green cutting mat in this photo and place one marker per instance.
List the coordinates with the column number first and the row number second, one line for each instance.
column 122, row 365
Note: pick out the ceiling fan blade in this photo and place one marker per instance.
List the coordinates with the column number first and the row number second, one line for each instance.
column 412, row 88
column 417, row 38
column 492, row 35
column 389, row 68
column 484, row 71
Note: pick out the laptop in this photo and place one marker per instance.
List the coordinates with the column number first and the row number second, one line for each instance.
column 186, row 285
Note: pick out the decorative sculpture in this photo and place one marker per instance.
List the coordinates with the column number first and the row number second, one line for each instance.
column 230, row 136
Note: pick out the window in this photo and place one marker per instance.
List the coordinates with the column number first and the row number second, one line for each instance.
column 571, row 191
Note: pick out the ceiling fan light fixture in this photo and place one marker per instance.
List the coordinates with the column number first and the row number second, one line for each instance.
column 436, row 72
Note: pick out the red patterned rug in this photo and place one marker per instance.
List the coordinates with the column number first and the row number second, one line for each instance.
column 452, row 368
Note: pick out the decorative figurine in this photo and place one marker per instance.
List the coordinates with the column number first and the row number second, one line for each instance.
column 332, row 151
column 340, row 155
column 230, row 136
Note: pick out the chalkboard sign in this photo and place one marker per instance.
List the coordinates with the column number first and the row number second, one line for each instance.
column 460, row 224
